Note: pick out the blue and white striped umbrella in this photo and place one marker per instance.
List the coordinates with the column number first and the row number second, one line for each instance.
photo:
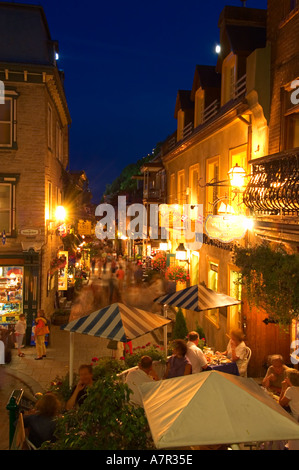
column 117, row 322
column 197, row 298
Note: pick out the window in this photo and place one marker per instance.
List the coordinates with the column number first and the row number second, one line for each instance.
column 59, row 142
column 292, row 131
column 235, row 290
column 213, row 268
column 172, row 198
column 50, row 127
column 181, row 187
column 193, row 183
column 212, row 191
column 229, row 68
column 6, row 123
column 7, row 204
column 293, row 4
column 199, row 107
column 181, row 124
column 48, row 213
column 237, row 156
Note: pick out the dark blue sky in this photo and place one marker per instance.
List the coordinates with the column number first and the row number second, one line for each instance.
column 124, row 62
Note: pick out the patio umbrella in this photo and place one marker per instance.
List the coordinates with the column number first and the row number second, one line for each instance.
column 197, row 298
column 118, row 322
column 211, row 408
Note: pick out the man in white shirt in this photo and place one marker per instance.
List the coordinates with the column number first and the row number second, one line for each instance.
column 143, row 373
column 194, row 353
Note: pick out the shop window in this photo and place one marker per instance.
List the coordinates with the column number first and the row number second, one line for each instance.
column 172, row 198
column 11, row 294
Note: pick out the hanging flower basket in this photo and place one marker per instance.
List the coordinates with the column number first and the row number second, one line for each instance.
column 177, row 273
column 159, row 262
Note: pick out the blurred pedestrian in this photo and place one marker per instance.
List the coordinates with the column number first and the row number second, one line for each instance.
column 20, row 330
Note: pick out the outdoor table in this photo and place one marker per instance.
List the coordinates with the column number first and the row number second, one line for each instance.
column 228, row 368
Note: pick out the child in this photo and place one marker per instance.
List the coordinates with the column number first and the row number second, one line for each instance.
column 20, row 330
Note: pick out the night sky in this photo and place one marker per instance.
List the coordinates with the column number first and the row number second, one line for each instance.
column 123, row 63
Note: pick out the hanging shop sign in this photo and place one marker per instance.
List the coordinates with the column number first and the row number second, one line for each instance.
column 63, row 271
column 227, row 228
column 84, row 227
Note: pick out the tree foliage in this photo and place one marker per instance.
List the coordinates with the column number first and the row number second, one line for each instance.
column 271, row 280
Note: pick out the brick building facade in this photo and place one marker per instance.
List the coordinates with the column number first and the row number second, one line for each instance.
column 34, row 123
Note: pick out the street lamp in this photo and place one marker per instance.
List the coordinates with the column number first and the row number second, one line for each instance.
column 60, row 214
column 181, row 253
column 237, row 176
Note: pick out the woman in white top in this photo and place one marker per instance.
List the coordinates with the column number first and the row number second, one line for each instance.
column 290, row 397
column 20, row 330
column 236, row 350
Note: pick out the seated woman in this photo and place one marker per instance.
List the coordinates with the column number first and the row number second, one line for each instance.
column 289, row 397
column 276, row 374
column 236, row 350
column 178, row 364
column 40, row 425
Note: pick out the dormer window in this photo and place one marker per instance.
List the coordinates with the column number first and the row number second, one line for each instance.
column 181, row 124
column 199, row 107
column 229, row 71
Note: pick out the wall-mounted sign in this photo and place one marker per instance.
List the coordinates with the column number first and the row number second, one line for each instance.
column 30, row 232
column 226, row 228
column 84, row 227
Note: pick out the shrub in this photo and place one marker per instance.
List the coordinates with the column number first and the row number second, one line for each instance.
column 155, row 352
column 180, row 330
column 105, row 421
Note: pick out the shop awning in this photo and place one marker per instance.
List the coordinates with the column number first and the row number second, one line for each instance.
column 117, row 322
column 197, row 298
column 212, row 408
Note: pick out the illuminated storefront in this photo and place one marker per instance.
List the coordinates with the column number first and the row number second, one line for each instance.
column 11, row 293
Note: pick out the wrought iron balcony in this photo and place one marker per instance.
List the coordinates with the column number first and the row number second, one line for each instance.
column 274, row 184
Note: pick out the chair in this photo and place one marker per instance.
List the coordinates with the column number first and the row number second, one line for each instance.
column 248, row 357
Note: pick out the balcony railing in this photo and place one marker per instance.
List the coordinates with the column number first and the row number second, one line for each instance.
column 154, row 194
column 211, row 110
column 273, row 187
column 240, row 87
column 188, row 129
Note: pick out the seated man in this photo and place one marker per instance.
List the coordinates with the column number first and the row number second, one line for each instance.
column 143, row 373
column 194, row 353
column 276, row 374
column 79, row 392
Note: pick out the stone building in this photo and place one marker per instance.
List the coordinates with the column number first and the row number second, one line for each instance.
column 34, row 148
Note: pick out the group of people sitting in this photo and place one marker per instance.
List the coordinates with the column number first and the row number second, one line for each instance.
column 187, row 358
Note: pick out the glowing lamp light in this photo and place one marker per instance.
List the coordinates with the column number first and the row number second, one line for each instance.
column 163, row 246
column 218, row 49
column 237, row 177
column 181, row 252
column 248, row 224
column 60, row 214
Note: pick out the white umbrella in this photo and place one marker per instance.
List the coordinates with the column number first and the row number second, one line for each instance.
column 212, row 408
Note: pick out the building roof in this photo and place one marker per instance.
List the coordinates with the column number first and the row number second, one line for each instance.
column 205, row 76
column 245, row 39
column 25, row 35
column 183, row 101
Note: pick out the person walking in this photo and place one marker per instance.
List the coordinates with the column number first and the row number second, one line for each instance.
column 40, row 332
column 20, row 330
